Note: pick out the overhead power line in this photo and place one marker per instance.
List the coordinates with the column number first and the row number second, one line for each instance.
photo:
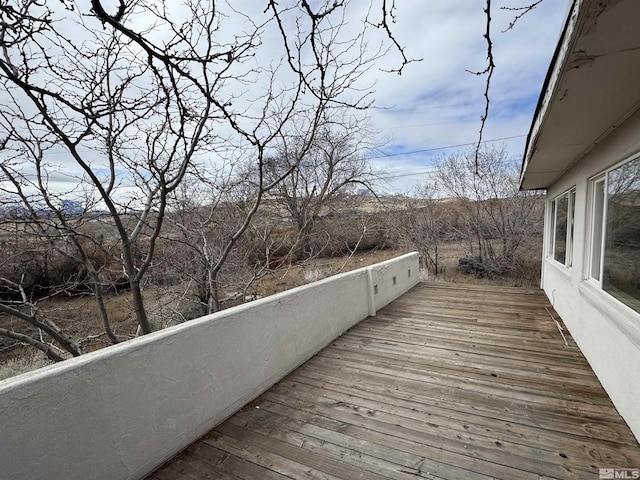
column 430, row 170
column 443, row 148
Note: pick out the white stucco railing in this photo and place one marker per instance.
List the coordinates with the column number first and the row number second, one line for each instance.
column 120, row 412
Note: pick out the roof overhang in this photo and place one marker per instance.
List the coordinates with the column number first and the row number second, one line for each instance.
column 592, row 86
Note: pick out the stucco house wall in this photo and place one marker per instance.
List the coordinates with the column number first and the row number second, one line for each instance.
column 587, row 122
column 606, row 330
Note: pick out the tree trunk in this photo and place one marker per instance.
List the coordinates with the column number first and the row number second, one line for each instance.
column 102, row 308
column 139, row 311
column 214, row 294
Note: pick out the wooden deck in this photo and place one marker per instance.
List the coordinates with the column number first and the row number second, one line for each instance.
column 447, row 382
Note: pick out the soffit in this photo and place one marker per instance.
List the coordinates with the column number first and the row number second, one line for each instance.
column 591, row 88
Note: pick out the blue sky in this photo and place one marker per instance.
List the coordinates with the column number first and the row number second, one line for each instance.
column 434, row 107
column 437, row 103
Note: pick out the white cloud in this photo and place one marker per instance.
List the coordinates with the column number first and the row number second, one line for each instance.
column 436, row 102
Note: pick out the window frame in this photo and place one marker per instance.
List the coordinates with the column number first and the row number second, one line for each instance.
column 570, row 194
column 601, row 177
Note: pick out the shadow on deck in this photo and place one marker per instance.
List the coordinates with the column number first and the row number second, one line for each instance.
column 447, row 382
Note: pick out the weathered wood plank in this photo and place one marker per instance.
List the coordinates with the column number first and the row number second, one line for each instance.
column 541, row 326
column 476, row 384
column 301, row 453
column 355, row 454
column 451, row 424
column 505, row 372
column 253, row 452
column 449, row 355
column 190, row 467
column 611, row 429
column 464, row 420
column 420, row 427
column 396, row 433
column 228, row 464
column 428, row 466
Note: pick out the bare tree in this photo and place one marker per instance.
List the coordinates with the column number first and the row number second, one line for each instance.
column 202, row 241
column 322, row 173
column 75, row 250
column 124, row 121
column 499, row 217
column 312, row 173
column 426, row 224
column 124, row 100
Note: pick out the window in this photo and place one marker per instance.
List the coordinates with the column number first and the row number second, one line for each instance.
column 598, row 228
column 614, row 253
column 561, row 227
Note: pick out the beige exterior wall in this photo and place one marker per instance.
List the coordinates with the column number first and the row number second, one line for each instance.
column 607, row 331
column 122, row 411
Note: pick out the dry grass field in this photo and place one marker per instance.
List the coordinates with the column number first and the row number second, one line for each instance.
column 79, row 316
column 364, row 222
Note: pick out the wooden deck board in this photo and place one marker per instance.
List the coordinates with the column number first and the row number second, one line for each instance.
column 448, row 382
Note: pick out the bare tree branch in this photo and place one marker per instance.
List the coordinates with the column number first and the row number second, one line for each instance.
column 523, row 11
column 489, row 73
column 388, row 16
column 43, row 347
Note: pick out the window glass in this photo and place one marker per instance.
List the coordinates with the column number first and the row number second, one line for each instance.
column 596, row 233
column 560, row 245
column 572, row 206
column 621, row 272
column 561, row 213
column 552, row 228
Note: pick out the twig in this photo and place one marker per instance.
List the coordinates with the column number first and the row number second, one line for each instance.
column 489, row 72
column 355, row 249
column 90, row 338
column 557, row 325
column 13, row 345
column 524, row 11
column 388, row 14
